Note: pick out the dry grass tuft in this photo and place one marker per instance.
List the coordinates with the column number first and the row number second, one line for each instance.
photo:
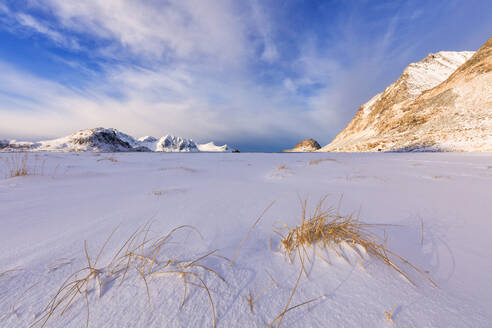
column 178, row 168
column 389, row 315
column 17, row 165
column 111, row 159
column 326, row 227
column 333, row 231
column 320, row 160
column 163, row 192
column 441, row 177
column 138, row 253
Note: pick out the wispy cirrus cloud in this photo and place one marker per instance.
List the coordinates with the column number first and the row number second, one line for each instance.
column 29, row 24
column 157, row 30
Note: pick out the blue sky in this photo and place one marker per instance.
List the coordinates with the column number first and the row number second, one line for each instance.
column 256, row 74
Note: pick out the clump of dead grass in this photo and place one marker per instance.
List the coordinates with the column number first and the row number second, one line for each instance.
column 389, row 315
column 159, row 192
column 110, row 159
column 16, row 165
column 321, row 160
column 326, row 227
column 138, row 253
column 179, row 168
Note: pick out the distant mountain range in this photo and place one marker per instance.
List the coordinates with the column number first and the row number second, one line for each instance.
column 112, row 140
column 442, row 103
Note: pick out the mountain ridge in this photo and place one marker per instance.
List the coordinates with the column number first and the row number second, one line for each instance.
column 111, row 140
column 449, row 108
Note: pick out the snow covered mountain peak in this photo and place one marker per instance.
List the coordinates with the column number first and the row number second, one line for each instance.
column 108, row 140
column 432, row 70
column 418, row 77
column 443, row 102
column 212, row 147
column 169, row 143
column 97, row 139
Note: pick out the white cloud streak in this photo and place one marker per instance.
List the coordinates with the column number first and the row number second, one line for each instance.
column 176, row 29
column 29, row 23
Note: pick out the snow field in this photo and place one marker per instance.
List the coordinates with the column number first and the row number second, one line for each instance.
column 46, row 218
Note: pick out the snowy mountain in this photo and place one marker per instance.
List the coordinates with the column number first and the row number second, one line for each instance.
column 307, row 145
column 442, row 103
column 168, row 143
column 110, row 140
column 212, row 147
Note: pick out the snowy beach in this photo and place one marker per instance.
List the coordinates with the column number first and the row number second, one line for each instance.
column 435, row 206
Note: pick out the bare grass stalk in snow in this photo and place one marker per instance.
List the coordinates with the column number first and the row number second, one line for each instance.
column 249, row 231
column 138, row 253
column 17, row 165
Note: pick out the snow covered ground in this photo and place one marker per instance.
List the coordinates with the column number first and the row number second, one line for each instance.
column 45, row 219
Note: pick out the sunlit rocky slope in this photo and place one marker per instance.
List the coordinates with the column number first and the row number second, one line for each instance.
column 307, row 145
column 442, row 103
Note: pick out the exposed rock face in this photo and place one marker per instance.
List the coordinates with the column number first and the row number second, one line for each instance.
column 442, row 103
column 98, row 139
column 307, row 145
column 4, row 144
